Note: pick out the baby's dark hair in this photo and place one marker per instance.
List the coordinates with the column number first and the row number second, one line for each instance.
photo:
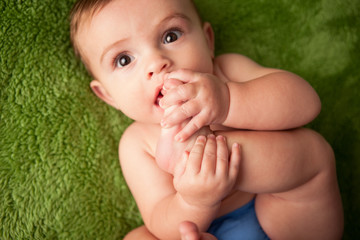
column 81, row 11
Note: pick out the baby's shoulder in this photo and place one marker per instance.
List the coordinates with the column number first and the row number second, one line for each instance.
column 229, row 60
column 133, row 129
column 139, row 137
column 237, row 67
column 226, row 64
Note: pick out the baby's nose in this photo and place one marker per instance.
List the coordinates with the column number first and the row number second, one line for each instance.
column 157, row 66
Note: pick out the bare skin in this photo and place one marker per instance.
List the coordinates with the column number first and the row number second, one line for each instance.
column 291, row 173
column 169, row 151
column 302, row 193
column 311, row 184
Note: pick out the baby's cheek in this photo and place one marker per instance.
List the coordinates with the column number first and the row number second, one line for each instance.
column 204, row 65
column 197, row 59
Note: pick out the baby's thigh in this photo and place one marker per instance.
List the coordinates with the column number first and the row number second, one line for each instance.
column 292, row 202
column 311, row 211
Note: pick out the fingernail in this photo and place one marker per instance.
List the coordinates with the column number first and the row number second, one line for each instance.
column 201, row 138
column 211, row 136
column 161, row 104
column 220, row 137
column 164, row 89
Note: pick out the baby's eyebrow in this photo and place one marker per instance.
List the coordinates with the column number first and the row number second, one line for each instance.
column 107, row 49
column 174, row 16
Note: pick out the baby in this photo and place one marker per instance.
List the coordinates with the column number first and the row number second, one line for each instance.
column 154, row 61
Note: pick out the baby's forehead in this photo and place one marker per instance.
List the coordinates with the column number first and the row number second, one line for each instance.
column 148, row 7
column 97, row 7
column 86, row 9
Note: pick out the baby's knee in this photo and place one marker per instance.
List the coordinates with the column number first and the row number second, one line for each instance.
column 322, row 154
column 326, row 155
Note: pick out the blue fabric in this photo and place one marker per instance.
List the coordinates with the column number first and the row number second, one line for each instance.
column 239, row 224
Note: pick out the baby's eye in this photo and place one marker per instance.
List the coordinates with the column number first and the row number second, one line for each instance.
column 122, row 60
column 172, row 36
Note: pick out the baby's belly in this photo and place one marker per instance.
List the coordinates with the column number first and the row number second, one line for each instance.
column 234, row 201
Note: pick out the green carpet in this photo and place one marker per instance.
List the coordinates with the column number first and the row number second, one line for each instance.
column 59, row 171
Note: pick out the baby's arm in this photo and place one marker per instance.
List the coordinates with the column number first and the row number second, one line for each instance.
column 240, row 94
column 164, row 207
column 264, row 98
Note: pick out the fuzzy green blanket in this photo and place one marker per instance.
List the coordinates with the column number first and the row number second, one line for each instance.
column 59, row 171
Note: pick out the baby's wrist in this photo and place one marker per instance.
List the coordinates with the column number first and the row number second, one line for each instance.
column 197, row 204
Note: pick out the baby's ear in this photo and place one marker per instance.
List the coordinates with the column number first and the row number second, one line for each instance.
column 98, row 88
column 209, row 34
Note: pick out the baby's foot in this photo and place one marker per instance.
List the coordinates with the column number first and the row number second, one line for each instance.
column 169, row 151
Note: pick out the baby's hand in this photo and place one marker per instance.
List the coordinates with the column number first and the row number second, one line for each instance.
column 206, row 175
column 202, row 98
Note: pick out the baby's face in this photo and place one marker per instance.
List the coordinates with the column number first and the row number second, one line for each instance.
column 131, row 44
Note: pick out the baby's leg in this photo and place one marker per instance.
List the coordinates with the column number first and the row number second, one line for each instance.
column 294, row 175
column 168, row 151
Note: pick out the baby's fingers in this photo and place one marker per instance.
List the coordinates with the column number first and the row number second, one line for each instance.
column 180, row 113
column 222, row 162
column 177, row 95
column 190, row 128
column 183, row 75
column 235, row 158
column 196, row 154
column 209, row 158
column 171, row 83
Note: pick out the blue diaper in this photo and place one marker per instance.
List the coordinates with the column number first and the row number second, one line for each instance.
column 239, row 224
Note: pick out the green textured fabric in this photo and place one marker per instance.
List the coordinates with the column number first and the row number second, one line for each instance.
column 59, row 171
